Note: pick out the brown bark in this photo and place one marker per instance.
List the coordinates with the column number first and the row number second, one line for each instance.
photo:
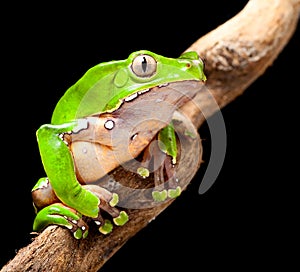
column 236, row 53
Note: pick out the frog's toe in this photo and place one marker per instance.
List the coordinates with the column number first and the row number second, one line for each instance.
column 160, row 196
column 114, row 200
column 173, row 193
column 80, row 231
column 106, row 227
column 79, row 228
column 121, row 219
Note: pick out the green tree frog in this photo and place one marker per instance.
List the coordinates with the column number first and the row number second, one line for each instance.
column 92, row 112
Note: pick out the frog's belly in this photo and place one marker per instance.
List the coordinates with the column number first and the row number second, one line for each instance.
column 94, row 160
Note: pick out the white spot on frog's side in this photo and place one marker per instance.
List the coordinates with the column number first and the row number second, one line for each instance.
column 163, row 85
column 98, row 223
column 83, row 227
column 109, row 124
column 74, row 221
column 62, row 137
column 81, row 125
column 143, row 91
column 131, row 97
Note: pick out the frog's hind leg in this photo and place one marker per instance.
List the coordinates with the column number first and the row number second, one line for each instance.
column 59, row 214
column 50, row 211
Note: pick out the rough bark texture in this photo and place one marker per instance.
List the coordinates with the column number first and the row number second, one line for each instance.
column 239, row 51
column 236, row 53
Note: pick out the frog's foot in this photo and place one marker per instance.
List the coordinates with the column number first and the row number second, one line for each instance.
column 173, row 193
column 108, row 201
column 58, row 214
column 159, row 196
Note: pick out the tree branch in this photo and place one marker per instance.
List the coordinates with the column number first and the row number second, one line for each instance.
column 236, row 54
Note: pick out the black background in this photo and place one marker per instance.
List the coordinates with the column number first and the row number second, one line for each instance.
column 244, row 220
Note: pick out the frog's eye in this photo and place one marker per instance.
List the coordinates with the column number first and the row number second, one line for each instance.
column 144, row 66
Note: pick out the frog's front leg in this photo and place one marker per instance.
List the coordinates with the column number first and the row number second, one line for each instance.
column 167, row 143
column 59, row 167
column 161, row 157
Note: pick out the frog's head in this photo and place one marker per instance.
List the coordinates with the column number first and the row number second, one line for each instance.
column 144, row 70
column 105, row 86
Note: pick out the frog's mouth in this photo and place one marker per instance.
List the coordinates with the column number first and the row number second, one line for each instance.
column 176, row 93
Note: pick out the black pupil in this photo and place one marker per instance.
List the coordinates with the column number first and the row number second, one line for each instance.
column 144, row 64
